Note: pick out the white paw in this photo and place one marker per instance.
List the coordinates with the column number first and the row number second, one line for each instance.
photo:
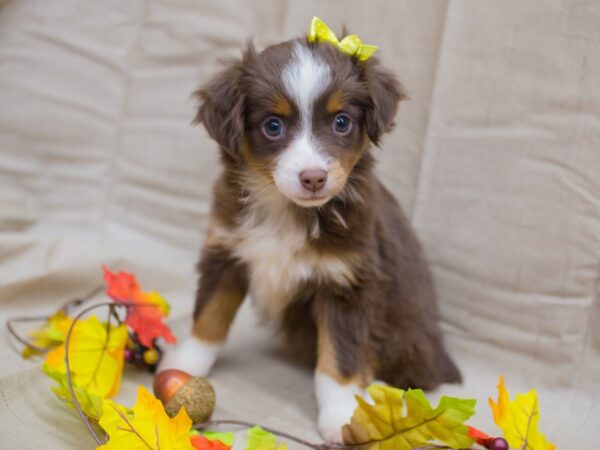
column 331, row 420
column 191, row 356
column 337, row 403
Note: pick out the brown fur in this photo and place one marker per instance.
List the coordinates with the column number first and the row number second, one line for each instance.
column 382, row 320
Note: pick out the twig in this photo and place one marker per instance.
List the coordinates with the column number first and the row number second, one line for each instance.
column 322, row 446
column 216, row 423
column 65, row 309
column 87, row 422
column 112, row 306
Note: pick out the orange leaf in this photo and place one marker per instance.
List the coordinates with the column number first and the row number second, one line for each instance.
column 122, row 286
column 202, row 443
column 145, row 316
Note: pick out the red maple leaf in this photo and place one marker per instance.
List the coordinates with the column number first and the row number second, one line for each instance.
column 143, row 317
column 121, row 287
column 202, row 443
column 147, row 322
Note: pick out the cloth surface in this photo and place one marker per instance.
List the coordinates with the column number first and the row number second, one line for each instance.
column 495, row 158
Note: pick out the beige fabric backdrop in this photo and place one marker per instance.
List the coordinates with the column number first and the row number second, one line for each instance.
column 495, row 157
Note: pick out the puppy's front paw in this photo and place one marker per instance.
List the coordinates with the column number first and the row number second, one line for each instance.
column 331, row 420
column 336, row 405
column 192, row 356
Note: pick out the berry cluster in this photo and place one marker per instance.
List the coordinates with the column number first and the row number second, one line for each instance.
column 140, row 356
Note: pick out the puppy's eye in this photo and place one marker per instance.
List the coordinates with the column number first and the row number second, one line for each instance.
column 273, row 128
column 342, row 124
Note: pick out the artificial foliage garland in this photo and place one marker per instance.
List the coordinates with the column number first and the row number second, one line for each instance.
column 85, row 357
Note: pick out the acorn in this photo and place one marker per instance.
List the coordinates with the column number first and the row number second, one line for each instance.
column 175, row 389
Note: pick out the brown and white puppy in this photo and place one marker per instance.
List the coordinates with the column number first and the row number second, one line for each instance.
column 301, row 223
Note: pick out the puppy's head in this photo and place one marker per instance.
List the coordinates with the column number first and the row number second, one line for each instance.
column 299, row 115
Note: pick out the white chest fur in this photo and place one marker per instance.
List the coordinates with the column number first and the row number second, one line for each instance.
column 274, row 245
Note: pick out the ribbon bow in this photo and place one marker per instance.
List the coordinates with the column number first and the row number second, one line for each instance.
column 351, row 45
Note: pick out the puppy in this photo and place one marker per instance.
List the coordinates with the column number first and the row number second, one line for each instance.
column 301, row 223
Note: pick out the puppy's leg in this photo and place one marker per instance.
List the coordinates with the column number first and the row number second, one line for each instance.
column 342, row 366
column 222, row 288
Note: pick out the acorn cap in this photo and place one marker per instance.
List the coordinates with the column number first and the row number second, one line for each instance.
column 197, row 396
column 168, row 382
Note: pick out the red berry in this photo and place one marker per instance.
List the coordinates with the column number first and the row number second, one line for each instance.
column 499, row 444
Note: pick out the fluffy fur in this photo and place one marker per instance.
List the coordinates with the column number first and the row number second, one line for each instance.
column 335, row 264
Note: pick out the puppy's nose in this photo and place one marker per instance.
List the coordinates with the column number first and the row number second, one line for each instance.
column 313, row 179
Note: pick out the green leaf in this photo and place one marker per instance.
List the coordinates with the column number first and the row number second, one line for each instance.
column 225, row 438
column 91, row 405
column 385, row 425
column 259, row 439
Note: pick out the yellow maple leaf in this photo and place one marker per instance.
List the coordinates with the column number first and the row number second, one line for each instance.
column 518, row 419
column 96, row 356
column 146, row 427
column 49, row 335
column 154, row 298
column 403, row 420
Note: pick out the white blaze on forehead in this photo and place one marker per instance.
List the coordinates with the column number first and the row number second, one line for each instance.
column 305, row 78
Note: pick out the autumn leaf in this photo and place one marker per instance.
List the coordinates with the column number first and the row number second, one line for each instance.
column 154, row 298
column 122, row 286
column 518, row 419
column 146, row 427
column 148, row 325
column 145, row 316
column 225, row 438
column 96, row 356
column 91, row 404
column 384, row 425
column 259, row 439
column 480, row 437
column 200, row 442
column 50, row 335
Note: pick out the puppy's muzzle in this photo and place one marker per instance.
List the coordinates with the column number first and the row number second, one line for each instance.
column 313, row 180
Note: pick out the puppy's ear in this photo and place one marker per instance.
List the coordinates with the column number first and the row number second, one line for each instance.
column 385, row 93
column 221, row 107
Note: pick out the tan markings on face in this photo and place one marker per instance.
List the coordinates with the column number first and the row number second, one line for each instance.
column 335, row 103
column 263, row 168
column 327, row 362
column 341, row 168
column 212, row 324
column 281, row 106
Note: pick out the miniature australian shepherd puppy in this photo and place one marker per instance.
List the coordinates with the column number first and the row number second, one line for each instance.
column 301, row 223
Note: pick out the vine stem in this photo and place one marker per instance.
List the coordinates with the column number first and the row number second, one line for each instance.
column 88, row 424
column 65, row 309
column 315, row 446
column 112, row 306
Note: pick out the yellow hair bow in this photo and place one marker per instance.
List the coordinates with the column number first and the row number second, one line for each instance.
column 352, row 45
